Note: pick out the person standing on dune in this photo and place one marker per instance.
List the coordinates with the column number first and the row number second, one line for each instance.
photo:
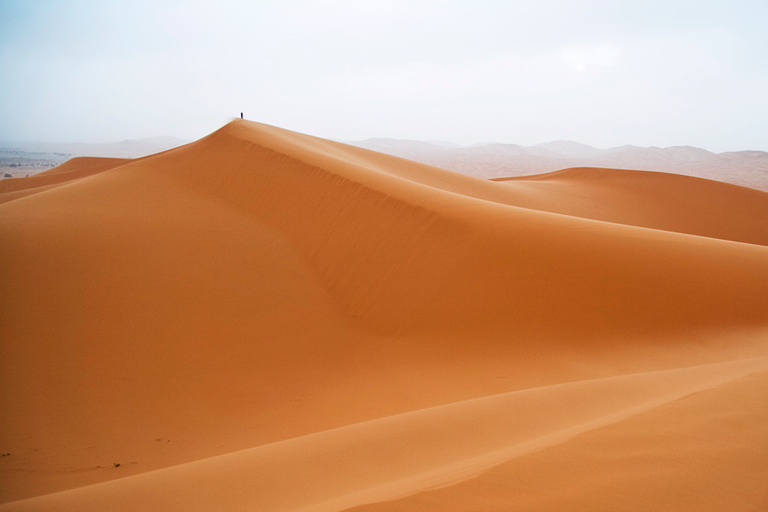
column 241, row 115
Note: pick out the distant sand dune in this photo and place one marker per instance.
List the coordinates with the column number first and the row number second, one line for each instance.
column 267, row 320
column 664, row 201
column 67, row 172
column 494, row 160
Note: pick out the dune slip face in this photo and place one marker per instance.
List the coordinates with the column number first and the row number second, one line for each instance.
column 265, row 320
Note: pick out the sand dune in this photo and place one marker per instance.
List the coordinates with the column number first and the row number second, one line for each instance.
column 414, row 452
column 664, row 201
column 267, row 320
column 67, row 172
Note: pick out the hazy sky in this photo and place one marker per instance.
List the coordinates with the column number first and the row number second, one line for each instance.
column 604, row 73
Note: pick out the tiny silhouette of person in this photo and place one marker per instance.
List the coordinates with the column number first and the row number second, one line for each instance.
column 241, row 115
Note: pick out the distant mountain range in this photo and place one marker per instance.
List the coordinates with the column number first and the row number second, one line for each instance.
column 495, row 160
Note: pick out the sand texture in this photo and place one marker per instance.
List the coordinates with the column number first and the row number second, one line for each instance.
column 264, row 320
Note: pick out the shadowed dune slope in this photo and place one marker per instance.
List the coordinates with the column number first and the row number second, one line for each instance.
column 263, row 310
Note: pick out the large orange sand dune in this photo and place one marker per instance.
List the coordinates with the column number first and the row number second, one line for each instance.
column 264, row 320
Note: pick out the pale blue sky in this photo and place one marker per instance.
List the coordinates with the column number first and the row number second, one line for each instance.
column 602, row 73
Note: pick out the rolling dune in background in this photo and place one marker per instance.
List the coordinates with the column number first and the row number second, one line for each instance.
column 264, row 320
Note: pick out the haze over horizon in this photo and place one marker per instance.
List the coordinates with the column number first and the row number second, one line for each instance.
column 644, row 73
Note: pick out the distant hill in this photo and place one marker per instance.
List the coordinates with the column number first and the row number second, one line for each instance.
column 22, row 159
column 495, row 160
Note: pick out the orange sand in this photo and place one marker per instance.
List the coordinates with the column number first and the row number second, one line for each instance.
column 264, row 320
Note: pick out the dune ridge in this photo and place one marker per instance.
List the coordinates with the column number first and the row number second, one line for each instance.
column 642, row 462
column 261, row 291
column 420, row 448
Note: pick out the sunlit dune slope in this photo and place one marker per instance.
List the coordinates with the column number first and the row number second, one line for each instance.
column 261, row 294
column 72, row 170
column 706, row 451
column 665, row 201
column 466, row 451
